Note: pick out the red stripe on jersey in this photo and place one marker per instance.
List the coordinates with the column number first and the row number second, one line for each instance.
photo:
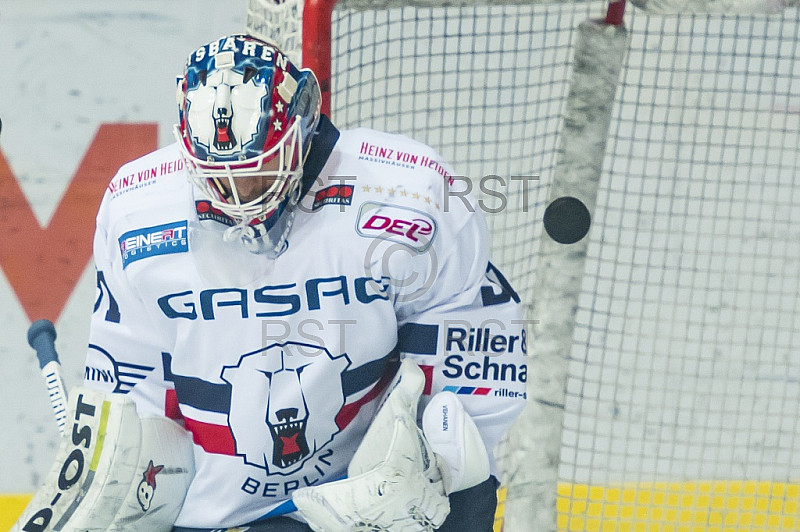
column 216, row 439
column 348, row 412
column 428, row 371
column 171, row 408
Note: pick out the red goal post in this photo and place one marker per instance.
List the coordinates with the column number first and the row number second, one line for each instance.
column 664, row 378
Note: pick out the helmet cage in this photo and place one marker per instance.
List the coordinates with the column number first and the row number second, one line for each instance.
column 243, row 107
column 209, row 176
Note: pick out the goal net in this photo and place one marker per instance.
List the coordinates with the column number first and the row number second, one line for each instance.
column 664, row 390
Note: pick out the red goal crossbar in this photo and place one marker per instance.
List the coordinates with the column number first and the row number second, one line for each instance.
column 317, row 45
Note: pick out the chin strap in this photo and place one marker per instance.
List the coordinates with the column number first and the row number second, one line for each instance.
column 259, row 239
column 270, row 236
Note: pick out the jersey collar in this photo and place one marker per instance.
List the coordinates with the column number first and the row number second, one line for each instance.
column 322, row 143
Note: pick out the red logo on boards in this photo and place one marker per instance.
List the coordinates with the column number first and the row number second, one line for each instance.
column 60, row 251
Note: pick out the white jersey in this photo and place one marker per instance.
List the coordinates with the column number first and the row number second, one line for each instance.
column 277, row 366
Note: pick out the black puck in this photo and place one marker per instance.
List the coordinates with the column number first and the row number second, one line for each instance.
column 567, row 220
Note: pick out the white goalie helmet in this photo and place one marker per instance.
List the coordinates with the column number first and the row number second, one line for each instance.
column 246, row 112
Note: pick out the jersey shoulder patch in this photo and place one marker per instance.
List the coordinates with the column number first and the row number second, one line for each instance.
column 394, row 153
column 394, row 170
column 148, row 173
column 397, row 223
column 146, row 208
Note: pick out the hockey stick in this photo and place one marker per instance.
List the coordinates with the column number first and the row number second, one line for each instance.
column 42, row 337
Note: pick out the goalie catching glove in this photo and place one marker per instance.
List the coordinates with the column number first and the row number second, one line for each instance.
column 113, row 471
column 398, row 480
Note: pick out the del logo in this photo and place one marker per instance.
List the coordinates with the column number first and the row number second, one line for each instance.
column 276, row 420
column 403, row 225
column 334, row 195
column 151, row 241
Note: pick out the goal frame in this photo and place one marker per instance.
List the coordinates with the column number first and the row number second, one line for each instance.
column 317, row 21
column 559, row 305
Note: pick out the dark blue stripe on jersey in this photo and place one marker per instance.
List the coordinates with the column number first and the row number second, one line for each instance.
column 212, row 397
column 418, row 339
column 322, row 142
column 357, row 379
column 507, row 293
column 196, row 392
column 166, row 364
column 203, row 395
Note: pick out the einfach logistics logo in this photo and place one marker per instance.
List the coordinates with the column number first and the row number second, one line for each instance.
column 151, row 241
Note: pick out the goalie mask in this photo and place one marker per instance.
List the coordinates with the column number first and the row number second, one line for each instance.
column 246, row 119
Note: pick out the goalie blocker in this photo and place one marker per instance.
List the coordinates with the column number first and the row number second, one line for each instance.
column 113, row 471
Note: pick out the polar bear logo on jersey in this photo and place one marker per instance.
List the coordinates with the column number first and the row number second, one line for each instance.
column 278, row 416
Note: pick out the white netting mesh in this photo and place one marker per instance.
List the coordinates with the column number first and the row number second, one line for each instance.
column 682, row 369
column 478, row 109
column 278, row 22
column 683, row 384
